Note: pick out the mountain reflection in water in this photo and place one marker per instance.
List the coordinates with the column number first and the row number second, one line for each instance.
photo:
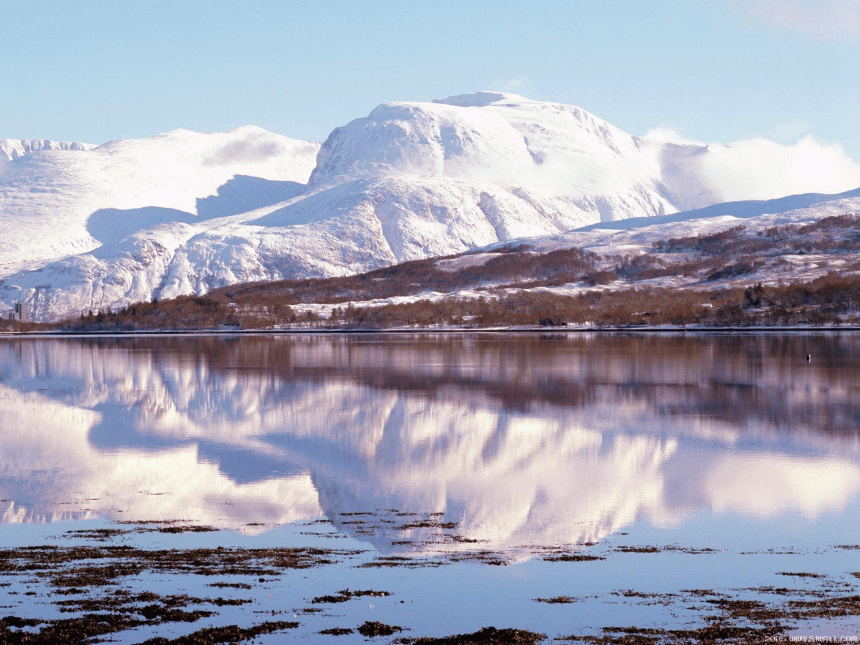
column 520, row 439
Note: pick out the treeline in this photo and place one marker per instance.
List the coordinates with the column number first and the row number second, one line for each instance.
column 832, row 299
column 209, row 312
column 829, row 300
column 835, row 234
column 21, row 327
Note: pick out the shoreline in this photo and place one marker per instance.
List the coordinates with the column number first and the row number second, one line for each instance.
column 795, row 329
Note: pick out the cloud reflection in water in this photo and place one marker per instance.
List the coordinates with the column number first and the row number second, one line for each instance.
column 520, row 439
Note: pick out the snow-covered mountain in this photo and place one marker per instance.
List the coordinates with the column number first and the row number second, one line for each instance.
column 182, row 212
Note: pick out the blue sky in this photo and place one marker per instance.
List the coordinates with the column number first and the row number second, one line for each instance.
column 713, row 70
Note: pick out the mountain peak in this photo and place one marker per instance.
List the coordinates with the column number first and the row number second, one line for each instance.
column 506, row 140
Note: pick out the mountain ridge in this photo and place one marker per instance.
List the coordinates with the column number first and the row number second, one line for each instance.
column 11, row 149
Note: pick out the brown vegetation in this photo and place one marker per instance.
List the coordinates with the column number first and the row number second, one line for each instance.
column 485, row 636
column 821, row 301
column 836, row 234
column 831, row 299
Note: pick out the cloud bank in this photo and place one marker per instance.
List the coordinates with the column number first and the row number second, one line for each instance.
column 762, row 169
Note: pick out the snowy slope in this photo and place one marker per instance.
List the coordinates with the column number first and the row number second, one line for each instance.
column 11, row 149
column 607, row 238
column 58, row 200
column 557, row 160
column 745, row 209
column 184, row 212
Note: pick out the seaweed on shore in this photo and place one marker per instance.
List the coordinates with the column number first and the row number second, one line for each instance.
column 348, row 594
column 86, row 580
column 227, row 634
column 374, row 628
column 485, row 636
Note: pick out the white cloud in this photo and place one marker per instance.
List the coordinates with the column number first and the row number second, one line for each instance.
column 516, row 85
column 823, row 19
column 761, row 169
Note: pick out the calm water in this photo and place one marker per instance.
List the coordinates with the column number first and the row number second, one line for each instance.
column 509, row 444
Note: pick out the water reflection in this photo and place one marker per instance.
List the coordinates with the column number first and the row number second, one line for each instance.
column 520, row 439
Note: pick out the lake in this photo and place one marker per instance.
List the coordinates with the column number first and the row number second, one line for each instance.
column 301, row 487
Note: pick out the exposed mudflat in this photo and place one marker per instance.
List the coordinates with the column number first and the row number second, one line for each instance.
column 91, row 585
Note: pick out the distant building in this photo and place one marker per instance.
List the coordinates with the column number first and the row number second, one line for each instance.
column 20, row 313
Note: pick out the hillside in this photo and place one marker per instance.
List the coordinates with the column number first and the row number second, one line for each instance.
column 185, row 213
column 801, row 267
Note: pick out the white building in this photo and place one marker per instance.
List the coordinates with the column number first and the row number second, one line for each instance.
column 20, row 313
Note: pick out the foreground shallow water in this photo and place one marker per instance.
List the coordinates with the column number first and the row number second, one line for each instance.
column 562, row 484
